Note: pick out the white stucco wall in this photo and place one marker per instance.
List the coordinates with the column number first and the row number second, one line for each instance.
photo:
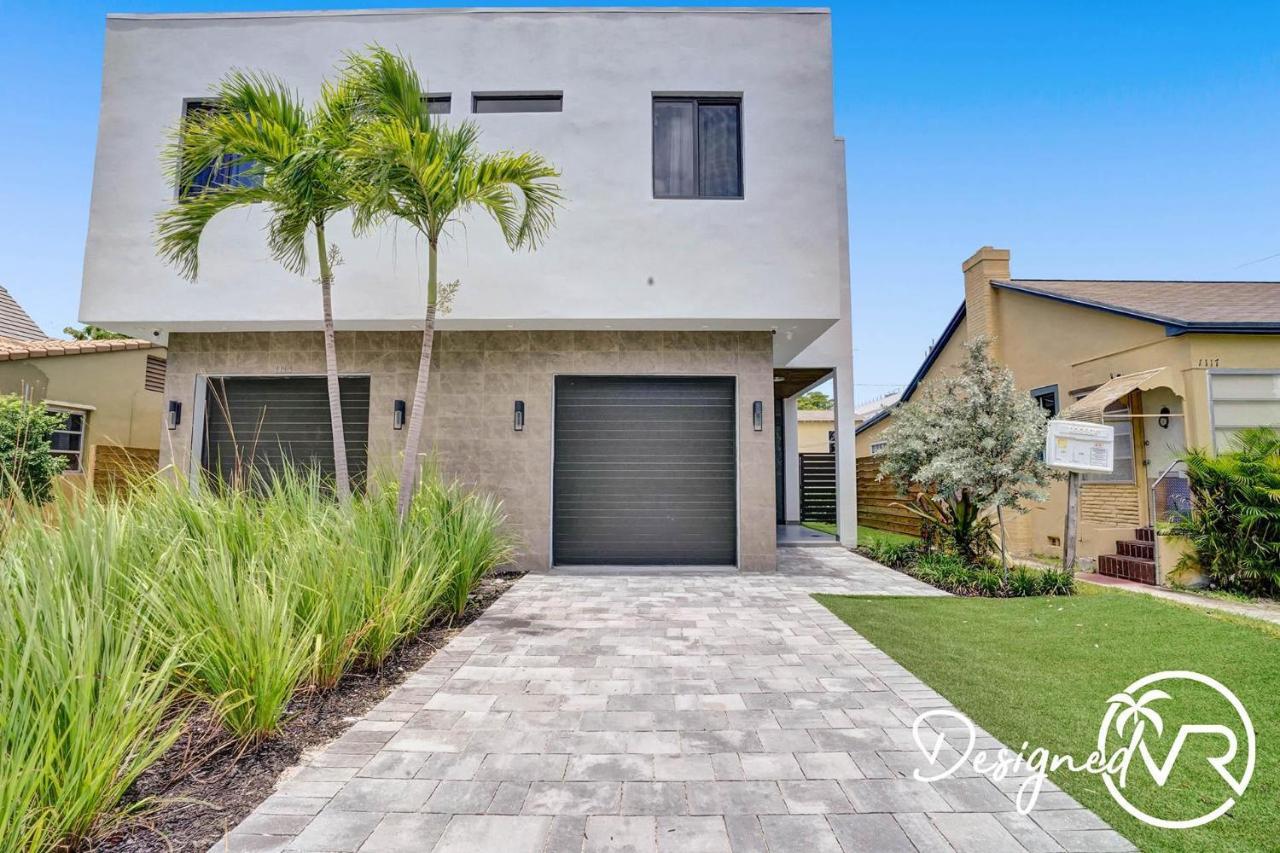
column 619, row 258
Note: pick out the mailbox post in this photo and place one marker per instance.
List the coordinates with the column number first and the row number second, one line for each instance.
column 1078, row 447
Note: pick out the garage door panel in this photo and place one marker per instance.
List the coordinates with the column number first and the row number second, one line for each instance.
column 645, row 471
column 268, row 423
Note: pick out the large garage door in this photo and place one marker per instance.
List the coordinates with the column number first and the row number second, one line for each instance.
column 645, row 471
column 263, row 424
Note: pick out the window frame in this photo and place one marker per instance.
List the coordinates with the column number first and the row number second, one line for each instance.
column 520, row 95
column 187, row 104
column 878, row 447
column 1038, row 394
column 83, row 432
column 733, row 99
column 1210, row 376
column 445, row 98
column 1122, row 405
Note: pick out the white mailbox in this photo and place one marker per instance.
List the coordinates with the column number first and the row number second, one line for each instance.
column 1080, row 446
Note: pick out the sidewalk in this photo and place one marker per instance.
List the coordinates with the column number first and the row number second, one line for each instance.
column 1265, row 612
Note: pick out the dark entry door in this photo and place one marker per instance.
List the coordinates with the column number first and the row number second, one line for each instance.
column 261, row 424
column 645, row 471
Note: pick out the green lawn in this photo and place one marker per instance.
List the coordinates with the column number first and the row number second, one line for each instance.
column 865, row 534
column 1041, row 669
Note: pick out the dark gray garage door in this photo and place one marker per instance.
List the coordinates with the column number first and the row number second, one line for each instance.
column 644, row 471
column 262, row 424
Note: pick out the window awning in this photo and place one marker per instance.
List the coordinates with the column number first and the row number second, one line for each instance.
column 1091, row 406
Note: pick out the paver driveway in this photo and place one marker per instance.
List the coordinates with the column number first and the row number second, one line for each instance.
column 657, row 713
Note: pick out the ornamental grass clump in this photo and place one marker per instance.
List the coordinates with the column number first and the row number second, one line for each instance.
column 122, row 617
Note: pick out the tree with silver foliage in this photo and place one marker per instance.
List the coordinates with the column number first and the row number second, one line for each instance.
column 971, row 442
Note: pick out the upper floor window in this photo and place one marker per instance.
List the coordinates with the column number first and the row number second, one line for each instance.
column 228, row 170
column 68, row 442
column 517, row 102
column 697, row 147
column 438, row 104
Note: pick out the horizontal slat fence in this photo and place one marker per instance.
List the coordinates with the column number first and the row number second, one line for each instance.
column 818, row 487
column 876, row 501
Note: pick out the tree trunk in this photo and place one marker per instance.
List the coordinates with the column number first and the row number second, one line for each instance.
column 341, row 473
column 1004, row 555
column 410, row 469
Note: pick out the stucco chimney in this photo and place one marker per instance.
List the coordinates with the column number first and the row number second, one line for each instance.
column 980, row 269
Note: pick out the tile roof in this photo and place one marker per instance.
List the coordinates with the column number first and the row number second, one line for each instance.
column 16, row 323
column 1185, row 306
column 12, row 349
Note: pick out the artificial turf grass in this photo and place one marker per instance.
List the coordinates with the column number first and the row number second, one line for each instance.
column 1040, row 670
column 866, row 535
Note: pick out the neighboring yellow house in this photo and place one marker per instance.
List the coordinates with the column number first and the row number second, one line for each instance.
column 112, row 392
column 815, row 430
column 1173, row 364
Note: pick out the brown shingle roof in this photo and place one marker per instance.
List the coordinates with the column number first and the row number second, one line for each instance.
column 16, row 323
column 12, row 349
column 1186, row 305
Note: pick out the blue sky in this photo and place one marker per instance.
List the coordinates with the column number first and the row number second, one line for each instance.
column 1093, row 139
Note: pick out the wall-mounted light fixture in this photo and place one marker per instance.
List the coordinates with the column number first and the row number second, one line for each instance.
column 175, row 414
column 397, row 415
column 517, row 422
column 757, row 416
column 1163, row 420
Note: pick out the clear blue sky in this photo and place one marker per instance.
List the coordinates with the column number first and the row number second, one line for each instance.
column 1093, row 139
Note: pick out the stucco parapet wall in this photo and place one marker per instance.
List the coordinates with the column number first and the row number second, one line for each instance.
column 478, row 10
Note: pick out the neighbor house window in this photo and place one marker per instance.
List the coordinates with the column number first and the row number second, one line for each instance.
column 68, row 442
column 1117, row 415
column 697, row 147
column 1240, row 400
column 517, row 102
column 438, row 105
column 1047, row 397
column 877, row 447
column 227, row 170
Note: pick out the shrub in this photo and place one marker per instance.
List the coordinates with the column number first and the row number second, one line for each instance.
column 988, row 583
column 114, row 609
column 1234, row 523
column 1023, row 582
column 895, row 554
column 1057, row 582
column 27, row 465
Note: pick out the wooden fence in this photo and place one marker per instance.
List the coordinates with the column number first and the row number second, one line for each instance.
column 818, row 487
column 115, row 469
column 876, row 501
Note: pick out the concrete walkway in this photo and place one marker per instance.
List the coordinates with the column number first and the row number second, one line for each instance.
column 683, row 714
column 1252, row 609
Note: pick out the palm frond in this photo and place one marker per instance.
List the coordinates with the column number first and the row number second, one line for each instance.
column 179, row 229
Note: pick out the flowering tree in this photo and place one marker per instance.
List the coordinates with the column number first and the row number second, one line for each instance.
column 971, row 442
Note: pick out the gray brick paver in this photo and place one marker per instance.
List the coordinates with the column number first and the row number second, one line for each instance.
column 725, row 713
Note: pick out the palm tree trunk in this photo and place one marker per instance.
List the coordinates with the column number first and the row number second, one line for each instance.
column 410, row 468
column 341, row 474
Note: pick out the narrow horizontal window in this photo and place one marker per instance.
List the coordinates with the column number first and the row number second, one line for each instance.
column 697, row 147
column 227, row 170
column 517, row 102
column 438, row 105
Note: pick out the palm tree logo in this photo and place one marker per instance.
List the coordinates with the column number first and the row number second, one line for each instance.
column 1137, row 712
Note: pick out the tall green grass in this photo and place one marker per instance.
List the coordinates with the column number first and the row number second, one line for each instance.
column 118, row 615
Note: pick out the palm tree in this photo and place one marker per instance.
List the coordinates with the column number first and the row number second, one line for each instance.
column 428, row 174
column 1136, row 710
column 268, row 149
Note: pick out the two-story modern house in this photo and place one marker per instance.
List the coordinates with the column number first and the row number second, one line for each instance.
column 618, row 388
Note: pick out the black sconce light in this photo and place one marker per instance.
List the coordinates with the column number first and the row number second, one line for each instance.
column 757, row 416
column 517, row 423
column 175, row 414
column 397, row 415
column 1163, row 420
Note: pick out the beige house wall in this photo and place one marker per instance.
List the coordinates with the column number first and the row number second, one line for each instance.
column 812, row 436
column 475, row 379
column 123, row 413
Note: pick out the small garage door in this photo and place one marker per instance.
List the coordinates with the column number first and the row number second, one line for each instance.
column 645, row 471
column 262, row 424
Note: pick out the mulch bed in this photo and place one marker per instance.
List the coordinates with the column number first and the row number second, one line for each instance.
column 206, row 784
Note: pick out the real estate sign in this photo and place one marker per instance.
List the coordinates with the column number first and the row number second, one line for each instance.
column 1080, row 446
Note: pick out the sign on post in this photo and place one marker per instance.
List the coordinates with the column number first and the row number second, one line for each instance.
column 1078, row 447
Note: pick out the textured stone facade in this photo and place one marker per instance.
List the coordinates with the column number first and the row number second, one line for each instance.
column 475, row 379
